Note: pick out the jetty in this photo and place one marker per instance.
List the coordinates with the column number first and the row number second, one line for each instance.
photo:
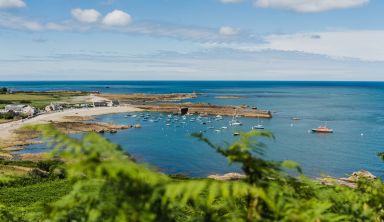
column 205, row 109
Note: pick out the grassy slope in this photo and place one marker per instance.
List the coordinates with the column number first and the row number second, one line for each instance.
column 37, row 99
column 29, row 200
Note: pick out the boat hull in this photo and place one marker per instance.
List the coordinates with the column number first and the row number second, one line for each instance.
column 322, row 131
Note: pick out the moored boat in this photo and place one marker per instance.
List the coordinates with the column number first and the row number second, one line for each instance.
column 322, row 129
column 259, row 126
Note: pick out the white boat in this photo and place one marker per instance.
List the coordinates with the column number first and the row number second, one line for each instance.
column 235, row 123
column 224, row 127
column 259, row 126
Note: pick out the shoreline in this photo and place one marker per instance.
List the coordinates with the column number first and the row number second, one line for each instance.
column 7, row 129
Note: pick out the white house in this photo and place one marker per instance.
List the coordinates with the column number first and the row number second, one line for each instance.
column 53, row 107
column 21, row 109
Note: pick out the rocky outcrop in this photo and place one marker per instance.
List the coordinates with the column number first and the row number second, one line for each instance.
column 227, row 177
column 206, row 109
column 348, row 181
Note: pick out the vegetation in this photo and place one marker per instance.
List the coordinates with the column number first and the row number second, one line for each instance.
column 3, row 90
column 103, row 184
column 37, row 99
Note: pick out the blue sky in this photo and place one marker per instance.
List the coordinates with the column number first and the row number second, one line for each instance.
column 191, row 39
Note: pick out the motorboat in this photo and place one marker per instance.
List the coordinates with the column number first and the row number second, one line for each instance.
column 322, row 129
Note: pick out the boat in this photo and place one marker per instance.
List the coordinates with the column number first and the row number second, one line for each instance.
column 259, row 126
column 218, row 117
column 236, row 134
column 235, row 123
column 224, row 127
column 295, row 118
column 322, row 129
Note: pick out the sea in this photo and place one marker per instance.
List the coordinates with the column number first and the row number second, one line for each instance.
column 354, row 110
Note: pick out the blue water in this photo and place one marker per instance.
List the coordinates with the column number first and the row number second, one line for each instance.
column 355, row 110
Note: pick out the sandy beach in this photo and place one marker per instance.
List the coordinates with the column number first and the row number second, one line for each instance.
column 6, row 129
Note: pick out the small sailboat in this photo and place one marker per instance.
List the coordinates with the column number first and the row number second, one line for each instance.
column 218, row 117
column 258, row 126
column 235, row 121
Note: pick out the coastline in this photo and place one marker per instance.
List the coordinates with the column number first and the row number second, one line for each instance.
column 7, row 129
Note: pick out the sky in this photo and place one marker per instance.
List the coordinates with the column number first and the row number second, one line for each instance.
column 192, row 40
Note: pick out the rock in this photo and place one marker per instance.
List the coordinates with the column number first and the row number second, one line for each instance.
column 227, row 177
column 38, row 173
column 361, row 174
column 350, row 181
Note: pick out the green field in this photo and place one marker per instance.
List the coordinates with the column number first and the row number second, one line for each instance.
column 28, row 201
column 38, row 99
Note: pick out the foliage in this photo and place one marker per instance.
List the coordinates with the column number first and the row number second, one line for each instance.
column 3, row 90
column 27, row 202
column 107, row 185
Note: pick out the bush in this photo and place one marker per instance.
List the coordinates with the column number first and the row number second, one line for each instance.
column 109, row 186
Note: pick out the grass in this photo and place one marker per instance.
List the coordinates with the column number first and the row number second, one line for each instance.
column 28, row 201
column 38, row 99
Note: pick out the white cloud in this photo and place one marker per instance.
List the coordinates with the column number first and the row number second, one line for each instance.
column 228, row 31
column 231, row 1
column 309, row 6
column 15, row 22
column 12, row 3
column 117, row 18
column 85, row 15
column 360, row 45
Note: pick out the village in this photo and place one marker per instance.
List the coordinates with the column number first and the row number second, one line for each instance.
column 22, row 111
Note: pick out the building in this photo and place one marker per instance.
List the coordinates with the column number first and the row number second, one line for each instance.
column 114, row 103
column 53, row 107
column 21, row 109
column 100, row 104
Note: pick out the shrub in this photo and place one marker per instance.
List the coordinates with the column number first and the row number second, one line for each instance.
column 109, row 186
